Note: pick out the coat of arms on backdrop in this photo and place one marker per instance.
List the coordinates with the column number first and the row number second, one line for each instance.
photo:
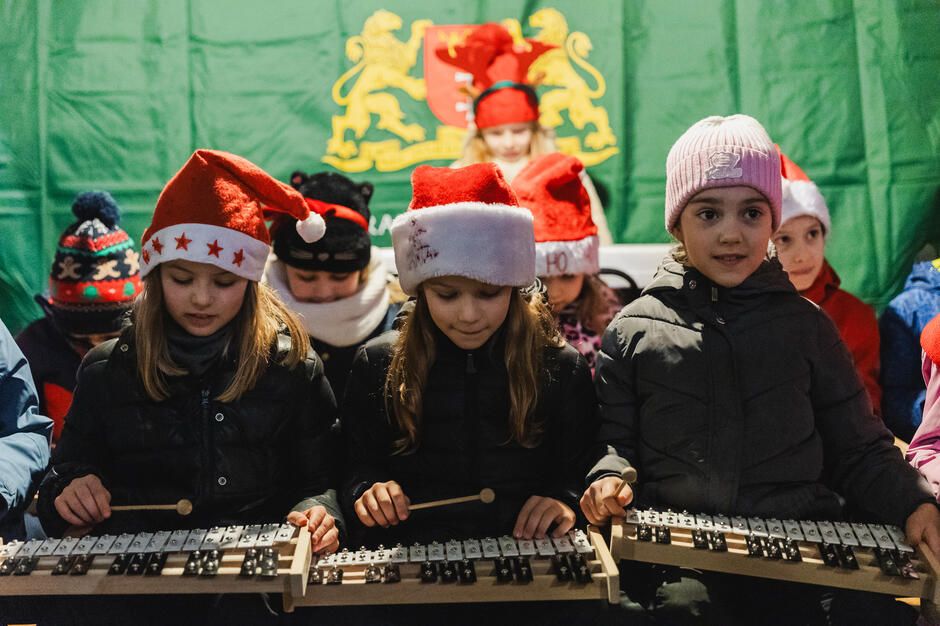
column 381, row 75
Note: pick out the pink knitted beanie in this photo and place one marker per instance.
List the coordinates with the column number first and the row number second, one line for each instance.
column 722, row 152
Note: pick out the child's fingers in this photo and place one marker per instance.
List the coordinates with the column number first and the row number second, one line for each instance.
column 315, row 516
column 64, row 509
column 523, row 518
column 328, row 543
column 564, row 523
column 535, row 519
column 399, row 500
column 322, row 528
column 297, row 518
column 549, row 514
column 374, row 508
column 362, row 512
column 590, row 510
column 385, row 503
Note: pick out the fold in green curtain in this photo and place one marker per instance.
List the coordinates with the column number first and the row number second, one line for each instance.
column 116, row 95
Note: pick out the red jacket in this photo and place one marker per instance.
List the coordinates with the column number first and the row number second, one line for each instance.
column 857, row 324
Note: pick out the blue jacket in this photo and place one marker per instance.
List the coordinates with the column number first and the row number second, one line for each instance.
column 902, row 383
column 24, row 433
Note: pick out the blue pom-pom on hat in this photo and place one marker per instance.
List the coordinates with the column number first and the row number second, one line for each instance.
column 99, row 205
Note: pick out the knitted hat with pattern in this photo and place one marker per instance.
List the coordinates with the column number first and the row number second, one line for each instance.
column 95, row 274
column 722, row 152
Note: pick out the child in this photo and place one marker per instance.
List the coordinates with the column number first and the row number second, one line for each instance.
column 24, row 438
column 731, row 394
column 336, row 285
column 92, row 286
column 566, row 249
column 901, row 325
column 505, row 127
column 476, row 390
column 213, row 393
column 800, row 242
column 922, row 453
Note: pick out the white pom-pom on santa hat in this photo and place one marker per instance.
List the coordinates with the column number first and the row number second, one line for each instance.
column 312, row 228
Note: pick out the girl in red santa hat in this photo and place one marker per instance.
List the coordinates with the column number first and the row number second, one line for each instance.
column 801, row 247
column 566, row 249
column 213, row 394
column 505, row 127
column 476, row 390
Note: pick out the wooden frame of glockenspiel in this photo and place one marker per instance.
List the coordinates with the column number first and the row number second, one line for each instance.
column 353, row 590
column 293, row 567
column 680, row 551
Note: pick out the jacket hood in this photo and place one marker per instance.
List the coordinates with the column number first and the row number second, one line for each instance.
column 924, row 275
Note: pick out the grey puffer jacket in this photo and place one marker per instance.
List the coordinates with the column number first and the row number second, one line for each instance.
column 743, row 400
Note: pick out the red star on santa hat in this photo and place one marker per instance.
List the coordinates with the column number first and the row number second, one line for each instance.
column 182, row 242
column 215, row 248
column 157, row 246
column 146, row 254
column 238, row 258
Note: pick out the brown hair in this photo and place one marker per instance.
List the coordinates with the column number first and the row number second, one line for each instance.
column 255, row 329
column 474, row 148
column 595, row 304
column 529, row 327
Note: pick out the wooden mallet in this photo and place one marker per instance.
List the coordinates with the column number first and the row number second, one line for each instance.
column 183, row 507
column 627, row 477
column 486, row 496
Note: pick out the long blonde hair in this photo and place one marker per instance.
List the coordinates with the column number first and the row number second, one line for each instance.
column 255, row 329
column 529, row 327
column 474, row 148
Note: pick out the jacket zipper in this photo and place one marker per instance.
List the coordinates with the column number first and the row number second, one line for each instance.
column 472, row 417
column 207, row 482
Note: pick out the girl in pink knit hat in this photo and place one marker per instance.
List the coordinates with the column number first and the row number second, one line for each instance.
column 730, row 394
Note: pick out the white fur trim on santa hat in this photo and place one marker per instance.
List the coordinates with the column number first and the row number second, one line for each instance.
column 231, row 250
column 556, row 258
column 492, row 243
column 802, row 197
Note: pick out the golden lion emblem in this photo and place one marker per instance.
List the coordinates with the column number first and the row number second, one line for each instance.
column 555, row 68
column 382, row 61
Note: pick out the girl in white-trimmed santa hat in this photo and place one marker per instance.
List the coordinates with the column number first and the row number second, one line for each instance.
column 801, row 247
column 476, row 390
column 566, row 249
column 213, row 394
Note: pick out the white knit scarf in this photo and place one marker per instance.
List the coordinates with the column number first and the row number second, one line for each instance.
column 342, row 322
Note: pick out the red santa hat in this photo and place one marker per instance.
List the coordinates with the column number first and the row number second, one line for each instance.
column 499, row 69
column 801, row 196
column 565, row 235
column 211, row 212
column 463, row 222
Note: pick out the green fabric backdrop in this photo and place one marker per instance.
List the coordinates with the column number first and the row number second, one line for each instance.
column 117, row 94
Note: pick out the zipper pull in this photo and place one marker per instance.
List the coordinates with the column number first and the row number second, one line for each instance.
column 714, row 293
column 205, row 398
column 471, row 367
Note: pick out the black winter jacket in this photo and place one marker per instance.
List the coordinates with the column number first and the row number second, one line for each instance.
column 743, row 401
column 252, row 460
column 464, row 443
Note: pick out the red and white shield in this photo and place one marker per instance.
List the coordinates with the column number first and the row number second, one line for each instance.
column 442, row 80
